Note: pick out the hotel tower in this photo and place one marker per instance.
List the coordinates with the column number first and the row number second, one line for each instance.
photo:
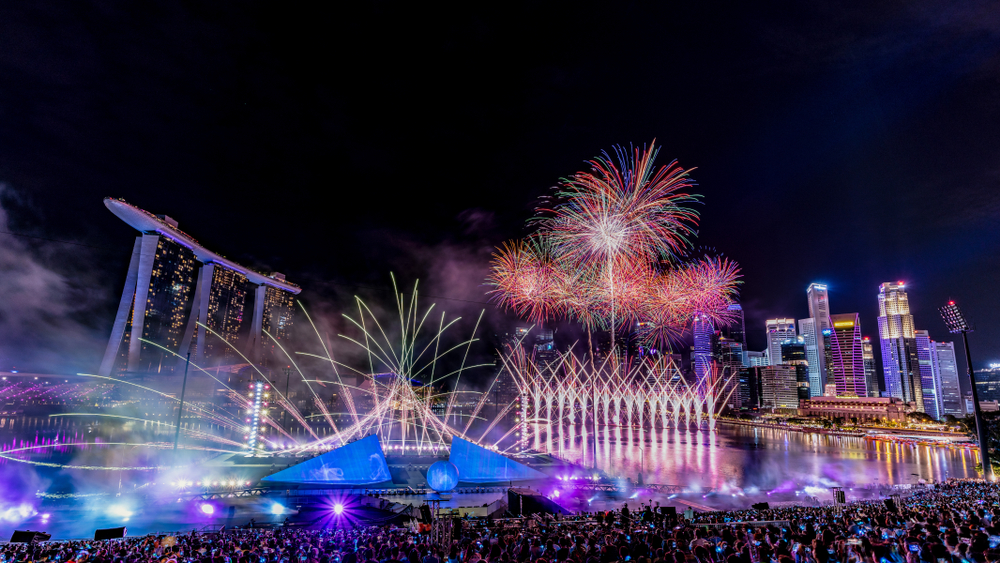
column 182, row 298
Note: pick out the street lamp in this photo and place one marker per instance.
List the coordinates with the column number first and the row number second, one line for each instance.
column 956, row 322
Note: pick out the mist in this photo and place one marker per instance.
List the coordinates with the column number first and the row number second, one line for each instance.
column 51, row 304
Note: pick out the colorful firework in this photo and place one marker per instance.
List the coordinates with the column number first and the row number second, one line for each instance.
column 622, row 208
column 609, row 252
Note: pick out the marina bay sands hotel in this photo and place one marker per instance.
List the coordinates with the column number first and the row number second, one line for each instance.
column 176, row 287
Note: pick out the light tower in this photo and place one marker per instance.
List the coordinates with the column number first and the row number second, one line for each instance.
column 256, row 413
column 956, row 322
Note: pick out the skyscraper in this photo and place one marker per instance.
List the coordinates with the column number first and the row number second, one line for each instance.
column 793, row 353
column 164, row 300
column 505, row 390
column 900, row 365
column 946, row 373
column 928, row 382
column 988, row 384
column 807, row 328
column 756, row 359
column 737, row 331
column 819, row 312
column 701, row 355
column 871, row 376
column 847, row 356
column 750, row 387
column 778, row 331
column 545, row 348
column 779, row 387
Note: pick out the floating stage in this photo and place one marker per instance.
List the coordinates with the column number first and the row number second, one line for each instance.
column 363, row 465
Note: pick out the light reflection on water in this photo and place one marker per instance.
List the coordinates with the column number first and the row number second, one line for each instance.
column 745, row 456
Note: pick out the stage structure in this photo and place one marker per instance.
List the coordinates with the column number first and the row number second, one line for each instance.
column 358, row 463
column 364, row 463
column 179, row 295
column 477, row 464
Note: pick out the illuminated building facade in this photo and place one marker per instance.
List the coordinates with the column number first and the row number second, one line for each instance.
column 807, row 328
column 278, row 306
column 946, row 372
column 545, row 348
column 701, row 354
column 173, row 288
column 750, row 386
column 729, row 354
column 900, row 365
column 779, row 387
column 778, row 331
column 929, row 385
column 819, row 312
column 857, row 409
column 737, row 331
column 756, row 359
column 871, row 376
column 793, row 353
column 847, row 356
column 988, row 384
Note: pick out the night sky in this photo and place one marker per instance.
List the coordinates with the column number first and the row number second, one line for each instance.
column 846, row 145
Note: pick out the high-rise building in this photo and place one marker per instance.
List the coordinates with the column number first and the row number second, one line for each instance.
column 165, row 300
column 545, row 348
column 750, row 387
column 701, row 354
column 278, row 306
column 793, row 353
column 778, row 331
column 900, row 365
column 757, row 359
column 946, row 372
column 737, row 331
column 929, row 385
column 819, row 312
column 988, row 384
column 779, row 387
column 871, row 375
column 847, row 356
column 729, row 356
column 807, row 328
column 505, row 390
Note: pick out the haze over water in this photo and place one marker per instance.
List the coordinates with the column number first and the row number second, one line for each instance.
column 745, row 456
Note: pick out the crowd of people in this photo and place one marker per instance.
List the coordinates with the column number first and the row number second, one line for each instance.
column 953, row 522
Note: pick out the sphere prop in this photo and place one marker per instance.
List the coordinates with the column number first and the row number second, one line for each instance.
column 442, row 476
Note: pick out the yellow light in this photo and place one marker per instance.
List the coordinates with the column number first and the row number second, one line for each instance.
column 843, row 324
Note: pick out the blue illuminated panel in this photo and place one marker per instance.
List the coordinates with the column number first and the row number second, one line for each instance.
column 476, row 464
column 357, row 463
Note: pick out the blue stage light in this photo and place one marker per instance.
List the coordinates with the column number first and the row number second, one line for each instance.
column 338, row 509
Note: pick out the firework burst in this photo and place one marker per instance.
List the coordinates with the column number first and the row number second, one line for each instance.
column 608, row 252
column 623, row 208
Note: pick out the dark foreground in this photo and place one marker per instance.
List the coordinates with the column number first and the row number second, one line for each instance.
column 956, row 522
